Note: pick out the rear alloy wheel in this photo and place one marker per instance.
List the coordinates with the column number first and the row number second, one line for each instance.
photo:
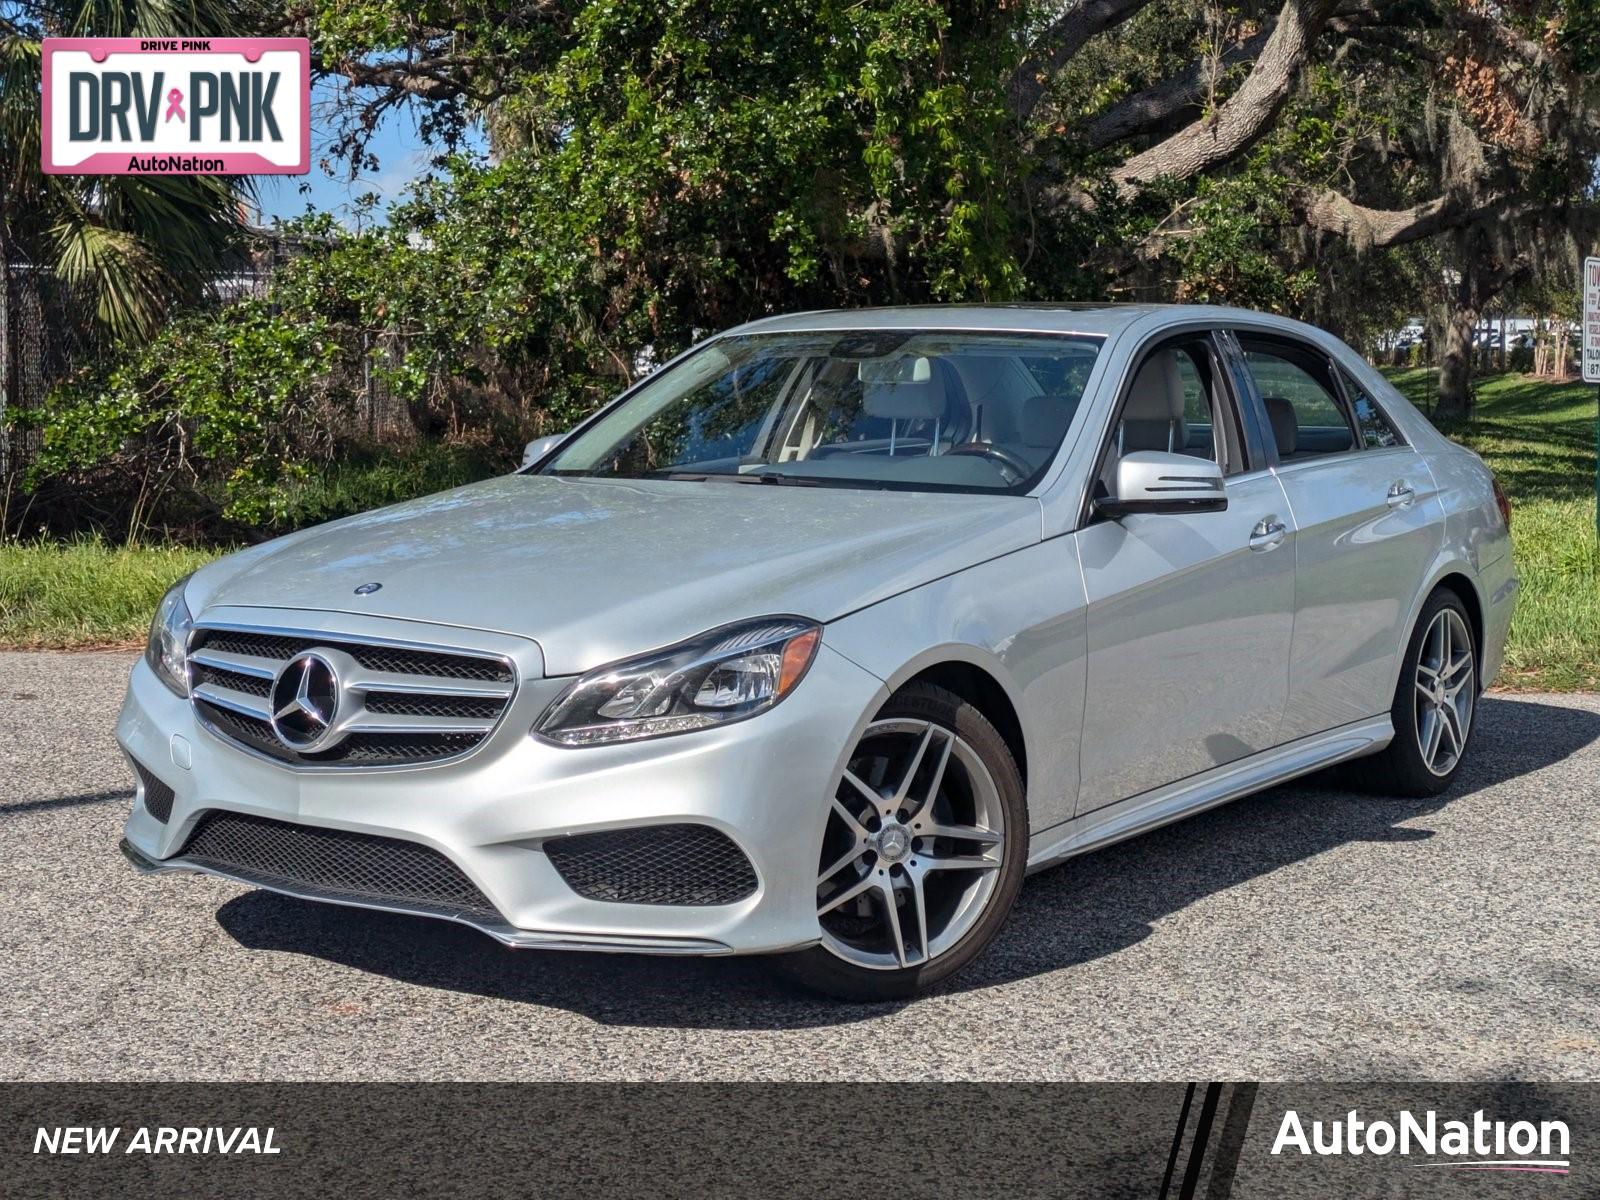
column 1445, row 692
column 923, row 854
column 1434, row 705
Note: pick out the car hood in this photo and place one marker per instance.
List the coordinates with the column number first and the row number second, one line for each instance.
column 599, row 569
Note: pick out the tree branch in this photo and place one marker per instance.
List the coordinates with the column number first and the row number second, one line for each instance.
column 1055, row 46
column 428, row 77
column 1376, row 228
column 1161, row 102
column 1245, row 116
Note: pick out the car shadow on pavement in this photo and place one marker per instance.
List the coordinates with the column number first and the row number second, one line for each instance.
column 51, row 803
column 1090, row 907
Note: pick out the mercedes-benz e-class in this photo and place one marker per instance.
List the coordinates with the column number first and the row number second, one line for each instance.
column 817, row 640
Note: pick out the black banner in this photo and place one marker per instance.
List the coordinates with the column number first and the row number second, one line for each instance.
column 1158, row 1141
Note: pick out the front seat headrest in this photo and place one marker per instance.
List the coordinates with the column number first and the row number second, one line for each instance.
column 1157, row 391
column 917, row 393
column 1285, row 425
column 1152, row 419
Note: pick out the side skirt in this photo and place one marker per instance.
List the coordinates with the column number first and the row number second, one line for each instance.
column 1174, row 801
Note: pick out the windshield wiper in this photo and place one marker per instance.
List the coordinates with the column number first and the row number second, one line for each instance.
column 730, row 477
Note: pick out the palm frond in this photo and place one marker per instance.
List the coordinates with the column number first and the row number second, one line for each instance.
column 128, row 285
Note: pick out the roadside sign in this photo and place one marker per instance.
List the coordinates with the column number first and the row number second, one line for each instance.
column 1591, row 362
column 176, row 106
column 1591, row 320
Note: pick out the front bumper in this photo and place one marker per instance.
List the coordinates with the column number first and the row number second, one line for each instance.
column 764, row 783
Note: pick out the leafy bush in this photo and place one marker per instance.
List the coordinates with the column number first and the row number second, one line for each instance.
column 369, row 478
column 229, row 397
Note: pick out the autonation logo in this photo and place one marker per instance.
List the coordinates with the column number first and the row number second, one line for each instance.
column 1478, row 1144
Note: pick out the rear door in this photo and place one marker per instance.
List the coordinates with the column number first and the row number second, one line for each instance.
column 1362, row 501
column 1190, row 614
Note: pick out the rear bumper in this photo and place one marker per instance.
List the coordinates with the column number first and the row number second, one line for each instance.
column 1499, row 586
column 762, row 783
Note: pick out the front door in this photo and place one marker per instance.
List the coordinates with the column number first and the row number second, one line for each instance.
column 1190, row 616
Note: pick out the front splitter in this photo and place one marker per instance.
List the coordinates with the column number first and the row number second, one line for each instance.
column 508, row 935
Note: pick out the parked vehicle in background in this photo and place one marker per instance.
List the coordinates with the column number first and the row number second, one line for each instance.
column 816, row 641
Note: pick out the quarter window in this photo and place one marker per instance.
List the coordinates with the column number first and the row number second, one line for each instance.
column 1376, row 430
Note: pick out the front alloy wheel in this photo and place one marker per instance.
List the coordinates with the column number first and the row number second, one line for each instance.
column 923, row 853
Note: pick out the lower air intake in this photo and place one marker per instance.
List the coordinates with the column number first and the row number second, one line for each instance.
column 658, row 864
column 335, row 864
column 158, row 796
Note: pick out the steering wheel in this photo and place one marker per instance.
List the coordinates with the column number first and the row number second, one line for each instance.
column 1012, row 467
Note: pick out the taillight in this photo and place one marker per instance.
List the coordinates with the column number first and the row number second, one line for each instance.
column 1502, row 501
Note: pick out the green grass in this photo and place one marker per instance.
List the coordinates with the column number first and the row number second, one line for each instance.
column 90, row 593
column 85, row 593
column 1538, row 439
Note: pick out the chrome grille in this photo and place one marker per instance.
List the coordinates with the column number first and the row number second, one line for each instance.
column 398, row 660
column 402, row 705
column 335, row 864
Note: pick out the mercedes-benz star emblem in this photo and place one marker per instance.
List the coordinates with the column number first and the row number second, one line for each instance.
column 366, row 589
column 305, row 702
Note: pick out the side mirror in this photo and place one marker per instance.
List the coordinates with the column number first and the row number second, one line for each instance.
column 539, row 447
column 1151, row 481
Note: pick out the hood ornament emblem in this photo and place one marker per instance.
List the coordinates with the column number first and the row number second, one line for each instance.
column 366, row 589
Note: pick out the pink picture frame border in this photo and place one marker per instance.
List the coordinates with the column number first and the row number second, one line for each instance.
column 233, row 162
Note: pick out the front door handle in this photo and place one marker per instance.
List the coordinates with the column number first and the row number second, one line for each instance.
column 1268, row 534
column 1400, row 494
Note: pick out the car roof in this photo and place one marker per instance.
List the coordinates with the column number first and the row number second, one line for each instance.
column 1097, row 319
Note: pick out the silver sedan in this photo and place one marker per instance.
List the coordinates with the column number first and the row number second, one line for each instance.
column 817, row 640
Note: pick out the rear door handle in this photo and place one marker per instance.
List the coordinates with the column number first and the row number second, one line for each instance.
column 1268, row 534
column 1400, row 494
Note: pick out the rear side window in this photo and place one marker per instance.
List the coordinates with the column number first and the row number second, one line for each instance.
column 1297, row 388
column 1377, row 432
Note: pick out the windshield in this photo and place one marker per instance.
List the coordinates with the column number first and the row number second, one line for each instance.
column 917, row 409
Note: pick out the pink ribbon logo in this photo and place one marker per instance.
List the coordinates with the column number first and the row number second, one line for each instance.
column 175, row 106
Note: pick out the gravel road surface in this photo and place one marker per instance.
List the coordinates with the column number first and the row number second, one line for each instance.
column 1307, row 933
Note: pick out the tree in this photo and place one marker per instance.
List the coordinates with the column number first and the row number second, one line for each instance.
column 663, row 168
column 1102, row 130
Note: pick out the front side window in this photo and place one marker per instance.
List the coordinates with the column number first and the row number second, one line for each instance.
column 923, row 410
column 1176, row 402
column 1297, row 389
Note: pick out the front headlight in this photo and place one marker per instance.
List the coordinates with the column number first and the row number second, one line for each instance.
column 720, row 677
column 168, row 651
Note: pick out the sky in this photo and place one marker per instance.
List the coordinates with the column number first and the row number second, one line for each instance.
column 402, row 158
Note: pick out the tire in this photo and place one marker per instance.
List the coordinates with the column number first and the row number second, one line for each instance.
column 1406, row 767
column 923, row 738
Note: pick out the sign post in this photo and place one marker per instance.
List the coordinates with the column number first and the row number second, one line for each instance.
column 1591, row 361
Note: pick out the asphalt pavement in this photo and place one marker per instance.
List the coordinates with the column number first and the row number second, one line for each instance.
column 1306, row 933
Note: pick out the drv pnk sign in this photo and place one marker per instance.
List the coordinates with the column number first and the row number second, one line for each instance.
column 177, row 106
